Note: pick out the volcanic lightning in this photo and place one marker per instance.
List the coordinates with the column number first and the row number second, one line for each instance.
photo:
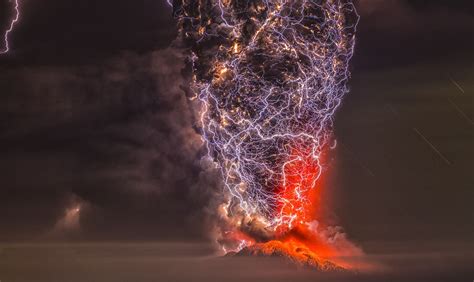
column 11, row 26
column 268, row 76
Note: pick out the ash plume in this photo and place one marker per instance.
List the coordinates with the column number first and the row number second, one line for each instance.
column 268, row 76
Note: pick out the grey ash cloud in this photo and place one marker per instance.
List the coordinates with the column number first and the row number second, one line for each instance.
column 119, row 136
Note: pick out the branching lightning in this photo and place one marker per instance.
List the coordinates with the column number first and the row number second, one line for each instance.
column 13, row 21
column 269, row 76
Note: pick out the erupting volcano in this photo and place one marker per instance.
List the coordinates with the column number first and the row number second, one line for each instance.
column 268, row 76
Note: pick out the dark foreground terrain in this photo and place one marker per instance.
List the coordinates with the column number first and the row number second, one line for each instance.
column 104, row 262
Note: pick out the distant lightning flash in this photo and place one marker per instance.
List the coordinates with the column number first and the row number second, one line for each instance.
column 14, row 20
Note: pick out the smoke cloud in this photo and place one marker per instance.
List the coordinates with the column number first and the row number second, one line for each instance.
column 118, row 135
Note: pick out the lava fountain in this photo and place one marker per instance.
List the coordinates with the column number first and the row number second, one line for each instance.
column 268, row 76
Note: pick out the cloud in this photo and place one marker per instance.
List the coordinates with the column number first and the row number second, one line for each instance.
column 412, row 17
column 119, row 135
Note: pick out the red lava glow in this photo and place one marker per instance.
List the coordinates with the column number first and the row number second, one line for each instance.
column 300, row 199
column 305, row 241
column 294, row 251
column 300, row 193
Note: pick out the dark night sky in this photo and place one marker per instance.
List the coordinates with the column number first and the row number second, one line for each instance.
column 93, row 112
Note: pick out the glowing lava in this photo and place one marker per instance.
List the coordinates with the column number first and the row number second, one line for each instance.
column 304, row 240
column 293, row 251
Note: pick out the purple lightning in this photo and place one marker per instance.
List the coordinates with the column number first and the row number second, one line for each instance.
column 12, row 25
column 268, row 77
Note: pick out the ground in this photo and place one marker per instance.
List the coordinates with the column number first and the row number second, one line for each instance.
column 143, row 262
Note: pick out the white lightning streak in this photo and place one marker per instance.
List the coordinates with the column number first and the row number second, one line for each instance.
column 10, row 29
column 269, row 76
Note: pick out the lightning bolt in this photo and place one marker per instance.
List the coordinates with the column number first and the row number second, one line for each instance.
column 14, row 20
column 269, row 76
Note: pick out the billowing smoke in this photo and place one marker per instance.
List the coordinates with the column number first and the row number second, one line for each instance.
column 268, row 76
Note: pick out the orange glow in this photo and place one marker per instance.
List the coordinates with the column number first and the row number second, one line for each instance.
column 317, row 244
column 306, row 247
column 294, row 251
column 301, row 196
column 301, row 237
column 300, row 192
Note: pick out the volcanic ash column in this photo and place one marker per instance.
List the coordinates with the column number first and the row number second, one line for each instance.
column 269, row 76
